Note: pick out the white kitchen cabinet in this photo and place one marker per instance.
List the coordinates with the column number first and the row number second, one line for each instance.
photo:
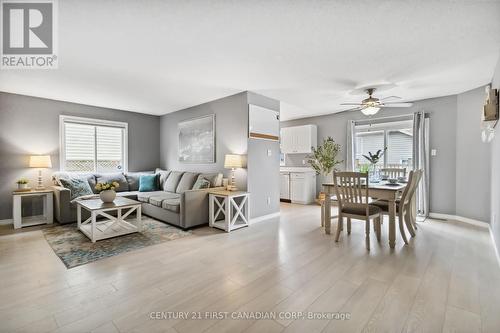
column 302, row 187
column 298, row 139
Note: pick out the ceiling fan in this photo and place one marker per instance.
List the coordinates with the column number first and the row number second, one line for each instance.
column 372, row 105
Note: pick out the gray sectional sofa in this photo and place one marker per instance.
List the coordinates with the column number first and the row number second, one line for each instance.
column 175, row 201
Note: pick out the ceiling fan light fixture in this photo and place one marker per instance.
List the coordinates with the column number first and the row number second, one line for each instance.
column 370, row 111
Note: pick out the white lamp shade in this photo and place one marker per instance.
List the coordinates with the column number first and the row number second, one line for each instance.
column 370, row 111
column 40, row 161
column 233, row 161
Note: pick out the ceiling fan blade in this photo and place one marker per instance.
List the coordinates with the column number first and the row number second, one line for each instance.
column 351, row 109
column 397, row 105
column 351, row 104
column 390, row 97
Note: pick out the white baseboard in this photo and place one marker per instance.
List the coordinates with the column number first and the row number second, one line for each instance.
column 6, row 222
column 494, row 245
column 264, row 217
column 467, row 220
column 472, row 222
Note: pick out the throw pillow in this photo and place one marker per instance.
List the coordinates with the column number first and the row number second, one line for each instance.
column 147, row 183
column 201, row 183
column 77, row 187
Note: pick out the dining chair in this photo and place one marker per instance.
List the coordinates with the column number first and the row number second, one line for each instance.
column 403, row 206
column 352, row 195
column 411, row 218
column 393, row 172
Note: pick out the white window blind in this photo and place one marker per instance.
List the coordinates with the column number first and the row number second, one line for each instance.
column 89, row 145
column 396, row 136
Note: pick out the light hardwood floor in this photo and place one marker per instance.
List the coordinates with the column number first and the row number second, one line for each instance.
column 447, row 279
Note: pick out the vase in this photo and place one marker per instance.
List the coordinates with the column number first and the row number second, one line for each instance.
column 373, row 174
column 22, row 186
column 107, row 196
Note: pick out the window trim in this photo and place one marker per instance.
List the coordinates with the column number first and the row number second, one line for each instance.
column 63, row 119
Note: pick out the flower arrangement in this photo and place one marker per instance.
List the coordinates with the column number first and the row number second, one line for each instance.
column 106, row 186
column 374, row 158
column 22, row 181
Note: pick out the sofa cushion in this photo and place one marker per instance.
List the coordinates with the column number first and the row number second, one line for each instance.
column 144, row 196
column 77, row 187
column 128, row 194
column 186, row 182
column 148, row 183
column 114, row 177
column 90, row 177
column 133, row 179
column 201, row 183
column 172, row 181
column 172, row 205
column 215, row 179
column 158, row 199
column 162, row 176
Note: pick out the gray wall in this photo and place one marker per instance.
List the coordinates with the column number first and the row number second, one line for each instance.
column 442, row 112
column 263, row 170
column 473, row 160
column 495, row 172
column 260, row 177
column 231, row 121
column 30, row 125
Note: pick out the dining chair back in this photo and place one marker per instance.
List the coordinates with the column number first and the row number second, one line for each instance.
column 393, row 172
column 411, row 219
column 351, row 187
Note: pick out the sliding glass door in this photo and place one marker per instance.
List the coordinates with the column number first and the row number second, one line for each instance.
column 396, row 136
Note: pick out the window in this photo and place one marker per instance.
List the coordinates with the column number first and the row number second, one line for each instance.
column 397, row 136
column 92, row 145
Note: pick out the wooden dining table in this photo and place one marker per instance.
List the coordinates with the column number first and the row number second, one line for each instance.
column 381, row 191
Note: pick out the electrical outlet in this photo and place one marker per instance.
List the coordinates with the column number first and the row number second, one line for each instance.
column 268, row 201
column 434, row 152
column 269, row 152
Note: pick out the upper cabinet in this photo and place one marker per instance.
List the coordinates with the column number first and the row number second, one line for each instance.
column 298, row 139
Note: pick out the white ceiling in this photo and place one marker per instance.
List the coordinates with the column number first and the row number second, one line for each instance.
column 162, row 56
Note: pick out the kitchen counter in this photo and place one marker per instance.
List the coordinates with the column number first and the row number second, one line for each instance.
column 297, row 169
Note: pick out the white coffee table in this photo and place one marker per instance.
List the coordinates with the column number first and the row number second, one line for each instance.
column 110, row 226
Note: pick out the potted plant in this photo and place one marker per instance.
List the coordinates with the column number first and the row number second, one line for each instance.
column 107, row 191
column 324, row 157
column 374, row 159
column 22, row 184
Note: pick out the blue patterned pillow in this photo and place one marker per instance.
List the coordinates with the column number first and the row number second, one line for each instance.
column 77, row 187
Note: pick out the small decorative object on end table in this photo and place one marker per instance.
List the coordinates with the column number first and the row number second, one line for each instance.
column 107, row 191
column 111, row 226
column 233, row 205
column 22, row 185
column 233, row 161
column 17, row 201
column 40, row 162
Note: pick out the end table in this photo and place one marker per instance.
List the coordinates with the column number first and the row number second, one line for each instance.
column 233, row 205
column 17, row 202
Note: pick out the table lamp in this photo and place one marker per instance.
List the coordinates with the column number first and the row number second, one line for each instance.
column 40, row 162
column 233, row 161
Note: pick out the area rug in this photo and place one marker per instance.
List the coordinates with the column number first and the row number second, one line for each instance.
column 75, row 249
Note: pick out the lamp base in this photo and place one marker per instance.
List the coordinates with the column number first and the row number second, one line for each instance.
column 232, row 188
